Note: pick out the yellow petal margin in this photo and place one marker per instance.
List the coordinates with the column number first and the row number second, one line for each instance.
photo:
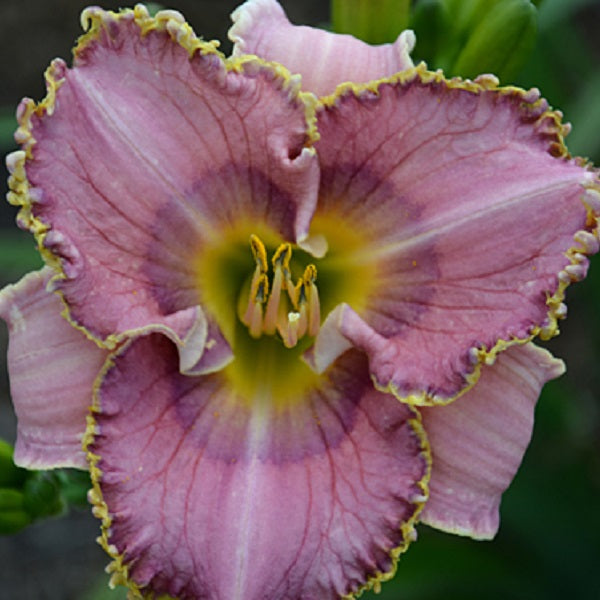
column 549, row 124
column 118, row 567
column 94, row 21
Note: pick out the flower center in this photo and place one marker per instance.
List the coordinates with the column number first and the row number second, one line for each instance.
column 279, row 305
column 266, row 303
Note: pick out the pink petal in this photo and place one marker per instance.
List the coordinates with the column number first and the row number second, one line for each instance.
column 478, row 441
column 141, row 155
column 209, row 494
column 52, row 368
column 474, row 226
column 323, row 59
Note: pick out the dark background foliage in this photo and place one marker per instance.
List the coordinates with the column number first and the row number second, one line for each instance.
column 549, row 542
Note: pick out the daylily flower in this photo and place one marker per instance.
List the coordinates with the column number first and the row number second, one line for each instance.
column 304, row 324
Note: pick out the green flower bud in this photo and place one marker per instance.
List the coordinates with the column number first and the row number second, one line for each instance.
column 467, row 14
column 500, row 42
column 373, row 21
column 13, row 515
column 431, row 24
column 43, row 496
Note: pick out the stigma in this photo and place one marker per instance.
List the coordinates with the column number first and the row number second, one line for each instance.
column 278, row 305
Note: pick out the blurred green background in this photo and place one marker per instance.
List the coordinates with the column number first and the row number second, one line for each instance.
column 549, row 541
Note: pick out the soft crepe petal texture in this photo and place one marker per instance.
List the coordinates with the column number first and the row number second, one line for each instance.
column 206, row 494
column 124, row 154
column 52, row 368
column 323, row 59
column 478, row 441
column 474, row 219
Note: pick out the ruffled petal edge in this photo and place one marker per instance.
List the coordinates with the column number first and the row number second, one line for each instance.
column 118, row 568
column 549, row 125
column 261, row 27
column 94, row 20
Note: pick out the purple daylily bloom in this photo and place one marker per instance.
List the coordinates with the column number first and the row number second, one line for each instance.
column 302, row 313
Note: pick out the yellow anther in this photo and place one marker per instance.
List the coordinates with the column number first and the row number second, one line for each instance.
column 310, row 274
column 259, row 253
column 261, row 289
column 301, row 291
column 282, row 256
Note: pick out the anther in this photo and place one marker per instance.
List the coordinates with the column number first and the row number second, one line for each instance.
column 310, row 274
column 282, row 256
column 303, row 297
column 261, row 290
column 259, row 253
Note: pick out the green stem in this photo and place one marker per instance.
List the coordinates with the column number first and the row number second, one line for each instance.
column 374, row 21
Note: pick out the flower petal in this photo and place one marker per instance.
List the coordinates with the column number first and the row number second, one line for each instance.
column 323, row 59
column 150, row 136
column 474, row 218
column 478, row 441
column 52, row 368
column 205, row 493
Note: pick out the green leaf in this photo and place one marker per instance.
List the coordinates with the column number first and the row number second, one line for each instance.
column 11, row 476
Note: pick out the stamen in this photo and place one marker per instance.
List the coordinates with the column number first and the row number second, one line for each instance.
column 281, row 261
column 275, row 316
column 302, row 319
column 253, row 317
column 259, row 289
column 314, row 306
